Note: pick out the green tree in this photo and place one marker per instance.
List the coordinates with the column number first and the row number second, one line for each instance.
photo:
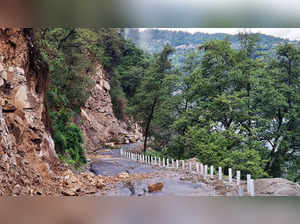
column 152, row 92
column 222, row 108
column 283, row 110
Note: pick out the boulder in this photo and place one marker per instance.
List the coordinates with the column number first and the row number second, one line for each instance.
column 155, row 187
column 100, row 184
column 69, row 192
column 276, row 187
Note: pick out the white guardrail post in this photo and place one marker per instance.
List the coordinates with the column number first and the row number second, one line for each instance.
column 238, row 177
column 205, row 171
column 230, row 175
column 248, row 183
column 251, row 187
column 201, row 169
column 220, row 173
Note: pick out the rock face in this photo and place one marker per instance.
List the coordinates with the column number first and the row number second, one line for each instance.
column 97, row 120
column 276, row 187
column 26, row 147
column 28, row 162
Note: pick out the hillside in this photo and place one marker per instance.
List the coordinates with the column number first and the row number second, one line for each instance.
column 73, row 100
column 40, row 144
column 153, row 41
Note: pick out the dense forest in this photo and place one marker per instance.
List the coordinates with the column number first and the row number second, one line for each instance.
column 229, row 103
column 153, row 41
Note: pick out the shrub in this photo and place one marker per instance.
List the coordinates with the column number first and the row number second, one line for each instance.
column 68, row 138
column 226, row 149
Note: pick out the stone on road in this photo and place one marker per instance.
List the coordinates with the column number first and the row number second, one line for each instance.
column 164, row 182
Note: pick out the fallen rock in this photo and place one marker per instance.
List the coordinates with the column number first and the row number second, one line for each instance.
column 100, row 185
column 123, row 175
column 276, row 187
column 155, row 187
column 220, row 187
column 68, row 192
column 131, row 187
column 17, row 190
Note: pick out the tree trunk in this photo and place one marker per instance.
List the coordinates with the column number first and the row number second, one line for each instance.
column 273, row 166
column 150, row 117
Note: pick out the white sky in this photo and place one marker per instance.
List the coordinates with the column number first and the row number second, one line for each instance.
column 290, row 33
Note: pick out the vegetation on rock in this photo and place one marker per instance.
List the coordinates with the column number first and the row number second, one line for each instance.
column 232, row 102
column 71, row 54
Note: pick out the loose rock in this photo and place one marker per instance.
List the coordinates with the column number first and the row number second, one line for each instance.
column 155, row 187
column 123, row 175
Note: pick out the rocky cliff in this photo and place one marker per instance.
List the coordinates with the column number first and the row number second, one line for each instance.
column 26, row 146
column 28, row 162
column 97, row 120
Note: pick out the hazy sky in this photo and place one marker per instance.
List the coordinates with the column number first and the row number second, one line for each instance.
column 290, row 33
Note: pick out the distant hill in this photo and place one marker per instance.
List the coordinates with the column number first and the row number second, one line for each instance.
column 153, row 40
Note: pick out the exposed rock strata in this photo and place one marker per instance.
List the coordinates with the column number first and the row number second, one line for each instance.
column 97, row 120
column 26, row 146
column 28, row 162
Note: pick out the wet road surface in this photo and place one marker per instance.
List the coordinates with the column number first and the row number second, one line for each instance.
column 110, row 163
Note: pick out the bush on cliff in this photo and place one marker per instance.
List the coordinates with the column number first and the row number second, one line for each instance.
column 68, row 138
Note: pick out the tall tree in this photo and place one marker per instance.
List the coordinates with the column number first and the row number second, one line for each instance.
column 284, row 109
column 220, row 127
column 152, row 92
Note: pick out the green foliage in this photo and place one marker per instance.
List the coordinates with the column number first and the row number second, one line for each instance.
column 226, row 149
column 157, row 154
column 153, row 92
column 153, row 41
column 229, row 106
column 67, row 51
column 68, row 138
column 71, row 54
column 122, row 60
column 132, row 66
column 118, row 97
column 243, row 108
